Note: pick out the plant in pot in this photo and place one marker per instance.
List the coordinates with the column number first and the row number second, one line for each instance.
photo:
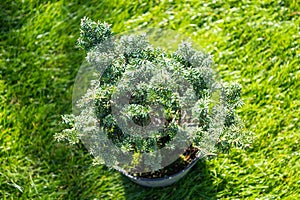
column 148, row 112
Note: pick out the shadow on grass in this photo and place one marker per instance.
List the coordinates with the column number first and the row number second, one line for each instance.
column 197, row 184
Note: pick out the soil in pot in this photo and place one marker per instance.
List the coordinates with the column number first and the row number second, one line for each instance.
column 180, row 164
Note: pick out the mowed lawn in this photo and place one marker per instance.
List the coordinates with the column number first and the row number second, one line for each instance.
column 256, row 43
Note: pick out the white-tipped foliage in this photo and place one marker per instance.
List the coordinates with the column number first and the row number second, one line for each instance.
column 182, row 84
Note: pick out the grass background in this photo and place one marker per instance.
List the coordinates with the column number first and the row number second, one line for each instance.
column 256, row 43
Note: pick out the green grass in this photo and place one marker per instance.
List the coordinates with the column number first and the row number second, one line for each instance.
column 256, row 43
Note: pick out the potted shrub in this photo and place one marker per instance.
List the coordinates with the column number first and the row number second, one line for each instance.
column 147, row 112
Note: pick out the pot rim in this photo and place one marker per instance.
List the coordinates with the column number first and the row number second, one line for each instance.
column 164, row 178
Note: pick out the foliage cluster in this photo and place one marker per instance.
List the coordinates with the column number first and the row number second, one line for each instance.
column 139, row 86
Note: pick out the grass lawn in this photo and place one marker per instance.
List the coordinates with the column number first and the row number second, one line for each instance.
column 256, row 43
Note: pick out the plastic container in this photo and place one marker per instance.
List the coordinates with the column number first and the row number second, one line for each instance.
column 161, row 182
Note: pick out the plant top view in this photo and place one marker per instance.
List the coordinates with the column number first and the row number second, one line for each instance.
column 251, row 51
column 196, row 111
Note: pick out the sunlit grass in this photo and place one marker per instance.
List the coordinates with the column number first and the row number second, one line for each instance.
column 256, row 43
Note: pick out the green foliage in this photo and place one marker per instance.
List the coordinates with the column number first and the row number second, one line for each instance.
column 255, row 43
column 131, row 64
column 93, row 33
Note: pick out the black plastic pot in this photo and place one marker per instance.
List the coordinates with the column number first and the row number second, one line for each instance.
column 161, row 182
